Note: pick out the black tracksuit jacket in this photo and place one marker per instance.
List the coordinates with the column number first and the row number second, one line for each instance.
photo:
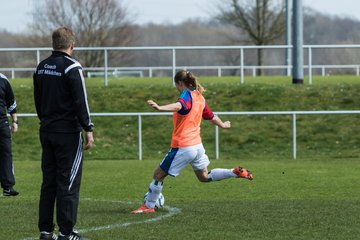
column 60, row 95
column 7, row 100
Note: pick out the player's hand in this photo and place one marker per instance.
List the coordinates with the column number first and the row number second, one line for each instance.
column 227, row 124
column 89, row 140
column 14, row 127
column 153, row 104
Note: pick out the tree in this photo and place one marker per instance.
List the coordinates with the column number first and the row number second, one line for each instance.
column 95, row 22
column 261, row 20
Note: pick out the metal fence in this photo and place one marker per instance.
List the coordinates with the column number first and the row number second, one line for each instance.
column 294, row 114
column 173, row 66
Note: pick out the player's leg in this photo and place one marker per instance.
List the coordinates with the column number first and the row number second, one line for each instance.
column 172, row 164
column 218, row 174
column 155, row 187
column 200, row 163
column 202, row 175
column 200, row 168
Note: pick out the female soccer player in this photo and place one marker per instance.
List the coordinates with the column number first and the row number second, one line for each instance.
column 186, row 145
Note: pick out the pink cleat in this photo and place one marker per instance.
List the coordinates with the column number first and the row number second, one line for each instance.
column 243, row 173
column 143, row 209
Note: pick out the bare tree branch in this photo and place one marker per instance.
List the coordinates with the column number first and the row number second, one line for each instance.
column 257, row 19
column 95, row 22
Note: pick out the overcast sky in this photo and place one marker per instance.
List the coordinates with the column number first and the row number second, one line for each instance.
column 15, row 14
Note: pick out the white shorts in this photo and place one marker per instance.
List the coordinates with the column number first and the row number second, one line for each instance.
column 177, row 158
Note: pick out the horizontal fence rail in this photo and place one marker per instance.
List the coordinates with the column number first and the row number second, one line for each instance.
column 139, row 71
column 174, row 50
column 294, row 114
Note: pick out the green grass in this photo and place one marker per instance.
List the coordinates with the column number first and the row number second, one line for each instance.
column 308, row 199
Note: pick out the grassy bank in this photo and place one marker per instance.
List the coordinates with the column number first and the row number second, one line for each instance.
column 251, row 136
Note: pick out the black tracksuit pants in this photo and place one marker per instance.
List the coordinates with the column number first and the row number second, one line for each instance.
column 61, row 167
column 6, row 164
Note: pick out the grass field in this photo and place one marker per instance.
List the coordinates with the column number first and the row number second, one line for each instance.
column 308, row 199
column 314, row 197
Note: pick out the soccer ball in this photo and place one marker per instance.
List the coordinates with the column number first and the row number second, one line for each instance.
column 159, row 202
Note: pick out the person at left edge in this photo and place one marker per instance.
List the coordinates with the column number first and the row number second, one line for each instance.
column 7, row 105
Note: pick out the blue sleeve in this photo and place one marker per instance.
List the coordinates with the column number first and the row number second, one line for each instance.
column 185, row 100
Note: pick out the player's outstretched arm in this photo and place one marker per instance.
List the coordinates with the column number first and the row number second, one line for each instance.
column 172, row 107
column 217, row 121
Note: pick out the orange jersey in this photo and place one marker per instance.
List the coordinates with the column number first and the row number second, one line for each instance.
column 187, row 126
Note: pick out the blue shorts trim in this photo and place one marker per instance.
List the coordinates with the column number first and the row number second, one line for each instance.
column 168, row 159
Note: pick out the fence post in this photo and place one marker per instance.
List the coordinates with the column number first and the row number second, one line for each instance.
column 37, row 56
column 294, row 135
column 217, row 142
column 140, row 136
column 173, row 66
column 241, row 65
column 106, row 67
column 310, row 65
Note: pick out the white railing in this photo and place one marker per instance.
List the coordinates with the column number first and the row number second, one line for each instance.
column 173, row 66
column 217, row 151
column 139, row 71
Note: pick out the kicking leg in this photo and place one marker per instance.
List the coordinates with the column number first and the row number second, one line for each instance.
column 202, row 161
column 202, row 175
column 218, row 174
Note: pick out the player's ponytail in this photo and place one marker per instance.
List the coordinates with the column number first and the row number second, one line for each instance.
column 189, row 79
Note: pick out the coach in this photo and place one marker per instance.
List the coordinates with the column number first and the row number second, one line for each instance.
column 62, row 107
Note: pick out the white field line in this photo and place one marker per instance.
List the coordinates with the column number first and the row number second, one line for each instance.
column 171, row 212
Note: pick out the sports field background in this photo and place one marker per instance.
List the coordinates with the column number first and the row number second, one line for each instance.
column 313, row 197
